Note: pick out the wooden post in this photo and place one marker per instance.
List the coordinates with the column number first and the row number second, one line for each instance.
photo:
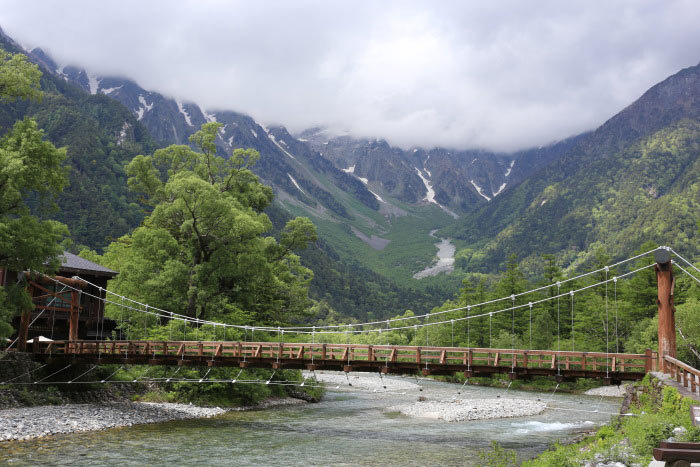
column 24, row 331
column 74, row 311
column 23, row 334
column 647, row 361
column 667, row 320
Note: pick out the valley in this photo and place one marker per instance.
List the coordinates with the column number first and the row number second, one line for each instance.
column 376, row 205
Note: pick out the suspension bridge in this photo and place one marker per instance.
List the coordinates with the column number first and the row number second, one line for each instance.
column 321, row 353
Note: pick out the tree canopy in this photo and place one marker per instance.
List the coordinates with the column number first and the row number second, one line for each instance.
column 30, row 168
column 203, row 249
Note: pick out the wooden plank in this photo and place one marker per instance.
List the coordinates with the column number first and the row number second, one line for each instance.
column 495, row 360
column 443, row 357
column 673, row 454
column 614, row 364
column 418, row 355
column 554, row 361
column 300, row 354
column 392, row 357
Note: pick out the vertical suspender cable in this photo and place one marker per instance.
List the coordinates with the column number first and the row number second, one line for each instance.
column 572, row 320
column 607, row 327
column 512, row 339
column 530, row 304
column 617, row 343
column 468, row 326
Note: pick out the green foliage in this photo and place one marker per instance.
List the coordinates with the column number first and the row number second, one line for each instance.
column 30, row 167
column 203, row 251
column 19, row 78
column 643, row 189
column 497, row 456
column 657, row 410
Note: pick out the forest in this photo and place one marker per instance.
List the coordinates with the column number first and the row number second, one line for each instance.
column 200, row 243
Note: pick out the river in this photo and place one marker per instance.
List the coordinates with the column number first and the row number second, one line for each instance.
column 445, row 258
column 349, row 427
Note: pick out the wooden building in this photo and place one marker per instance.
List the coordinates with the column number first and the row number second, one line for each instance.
column 69, row 309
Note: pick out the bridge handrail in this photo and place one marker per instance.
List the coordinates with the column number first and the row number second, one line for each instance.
column 681, row 372
column 356, row 352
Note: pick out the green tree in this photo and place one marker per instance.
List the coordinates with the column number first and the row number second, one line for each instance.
column 30, row 167
column 202, row 250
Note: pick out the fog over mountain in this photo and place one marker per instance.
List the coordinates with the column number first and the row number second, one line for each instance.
column 496, row 76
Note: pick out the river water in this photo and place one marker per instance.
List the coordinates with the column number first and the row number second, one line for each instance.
column 349, row 427
column 445, row 258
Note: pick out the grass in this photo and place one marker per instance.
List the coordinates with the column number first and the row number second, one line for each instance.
column 657, row 410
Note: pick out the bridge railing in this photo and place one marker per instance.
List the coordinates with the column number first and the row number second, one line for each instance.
column 682, row 372
column 360, row 354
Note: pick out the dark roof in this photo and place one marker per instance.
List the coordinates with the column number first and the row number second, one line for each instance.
column 75, row 264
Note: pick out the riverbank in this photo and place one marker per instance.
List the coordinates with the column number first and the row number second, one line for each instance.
column 651, row 412
column 24, row 423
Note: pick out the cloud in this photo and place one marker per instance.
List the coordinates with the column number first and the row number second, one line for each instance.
column 497, row 75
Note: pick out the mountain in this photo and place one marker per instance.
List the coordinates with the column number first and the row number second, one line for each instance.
column 379, row 208
column 636, row 178
column 361, row 219
column 101, row 136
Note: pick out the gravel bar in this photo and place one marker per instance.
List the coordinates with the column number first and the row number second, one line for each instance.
column 608, row 391
column 460, row 410
column 374, row 382
column 34, row 422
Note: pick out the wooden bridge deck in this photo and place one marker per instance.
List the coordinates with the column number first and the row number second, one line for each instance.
column 562, row 365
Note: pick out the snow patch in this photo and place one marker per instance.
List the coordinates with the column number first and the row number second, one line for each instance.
column 184, row 113
column 282, row 142
column 94, row 83
column 363, row 180
column 295, row 183
column 479, row 190
column 230, row 141
column 122, row 134
column 543, row 202
column 272, row 138
column 510, row 168
column 430, row 195
column 111, row 90
column 379, row 198
column 349, row 170
column 500, row 189
column 145, row 107
column 253, row 132
column 208, row 117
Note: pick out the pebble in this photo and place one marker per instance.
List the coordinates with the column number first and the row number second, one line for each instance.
column 34, row 422
column 371, row 383
column 460, row 410
column 608, row 391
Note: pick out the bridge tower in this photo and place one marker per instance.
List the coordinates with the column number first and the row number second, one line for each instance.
column 667, row 321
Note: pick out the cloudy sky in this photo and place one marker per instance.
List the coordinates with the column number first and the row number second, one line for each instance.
column 498, row 75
